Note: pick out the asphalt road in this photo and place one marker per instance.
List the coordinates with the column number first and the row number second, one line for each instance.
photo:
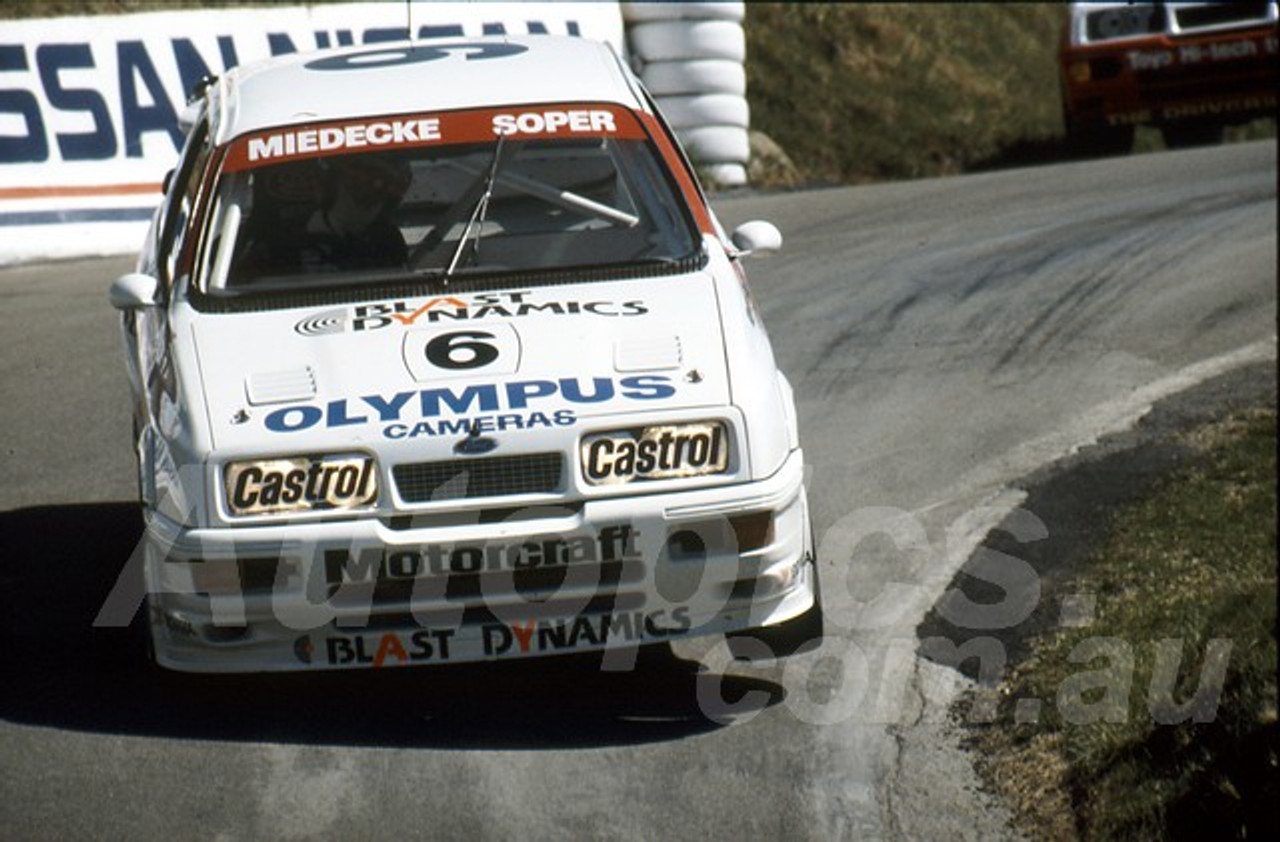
column 944, row 338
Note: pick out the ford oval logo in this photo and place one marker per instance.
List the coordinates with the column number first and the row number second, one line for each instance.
column 475, row 444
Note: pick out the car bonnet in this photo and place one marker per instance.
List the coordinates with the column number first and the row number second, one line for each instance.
column 431, row 368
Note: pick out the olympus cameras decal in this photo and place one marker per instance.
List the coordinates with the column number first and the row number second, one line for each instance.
column 482, row 408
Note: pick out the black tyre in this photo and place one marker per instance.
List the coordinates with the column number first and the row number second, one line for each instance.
column 1097, row 141
column 1186, row 135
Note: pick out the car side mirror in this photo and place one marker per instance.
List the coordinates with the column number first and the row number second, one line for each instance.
column 756, row 237
column 134, row 291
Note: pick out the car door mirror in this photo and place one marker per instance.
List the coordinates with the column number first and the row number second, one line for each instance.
column 134, row 291
column 756, row 237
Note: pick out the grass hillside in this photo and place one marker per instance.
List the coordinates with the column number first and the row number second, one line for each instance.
column 858, row 92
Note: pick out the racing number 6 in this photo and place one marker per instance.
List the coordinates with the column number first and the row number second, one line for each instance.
column 453, row 352
column 461, row 350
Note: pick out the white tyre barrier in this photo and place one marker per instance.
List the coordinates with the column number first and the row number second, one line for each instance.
column 675, row 40
column 714, row 10
column 725, row 175
column 691, row 58
column 685, row 112
column 716, row 144
column 705, row 76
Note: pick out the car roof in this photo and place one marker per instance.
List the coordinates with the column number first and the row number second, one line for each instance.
column 427, row 75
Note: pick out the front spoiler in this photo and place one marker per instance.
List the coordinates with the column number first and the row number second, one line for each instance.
column 629, row 575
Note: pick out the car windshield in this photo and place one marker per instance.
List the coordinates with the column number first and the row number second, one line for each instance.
column 440, row 211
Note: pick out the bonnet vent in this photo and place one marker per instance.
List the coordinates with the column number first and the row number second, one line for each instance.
column 268, row 387
column 648, row 353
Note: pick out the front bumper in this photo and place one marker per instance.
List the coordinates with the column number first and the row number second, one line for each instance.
column 598, row 574
column 1226, row 77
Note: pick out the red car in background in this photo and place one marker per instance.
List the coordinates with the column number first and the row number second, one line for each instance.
column 1189, row 69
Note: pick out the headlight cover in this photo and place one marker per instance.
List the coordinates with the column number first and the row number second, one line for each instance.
column 655, row 452
column 1124, row 22
column 293, row 485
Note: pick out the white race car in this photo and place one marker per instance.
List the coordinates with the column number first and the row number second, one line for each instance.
column 440, row 355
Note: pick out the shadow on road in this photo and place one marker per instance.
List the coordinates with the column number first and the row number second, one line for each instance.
column 58, row 563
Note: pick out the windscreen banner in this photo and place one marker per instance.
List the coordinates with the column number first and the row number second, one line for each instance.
column 90, row 106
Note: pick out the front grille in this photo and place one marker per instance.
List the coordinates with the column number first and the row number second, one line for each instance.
column 1219, row 14
column 464, row 479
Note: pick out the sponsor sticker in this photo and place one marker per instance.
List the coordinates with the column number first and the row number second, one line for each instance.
column 657, row 452
column 273, row 486
column 387, row 649
column 406, row 131
column 493, row 640
column 342, row 567
column 538, row 637
column 486, row 407
column 452, row 309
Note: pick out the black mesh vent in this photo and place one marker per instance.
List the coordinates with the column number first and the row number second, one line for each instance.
column 461, row 479
column 1219, row 14
column 411, row 286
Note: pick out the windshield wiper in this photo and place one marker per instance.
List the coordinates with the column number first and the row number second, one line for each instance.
column 475, row 198
column 558, row 196
column 478, row 213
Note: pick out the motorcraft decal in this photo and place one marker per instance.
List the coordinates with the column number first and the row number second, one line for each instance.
column 342, row 567
column 452, row 308
column 453, row 411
